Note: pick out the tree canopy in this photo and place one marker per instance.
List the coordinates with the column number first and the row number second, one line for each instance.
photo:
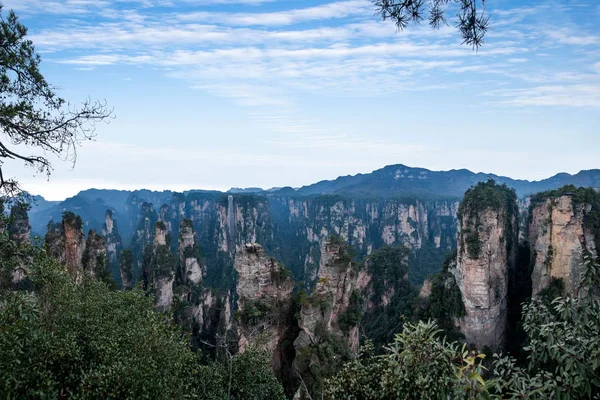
column 35, row 122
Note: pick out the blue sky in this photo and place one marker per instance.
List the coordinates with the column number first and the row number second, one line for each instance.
column 214, row 94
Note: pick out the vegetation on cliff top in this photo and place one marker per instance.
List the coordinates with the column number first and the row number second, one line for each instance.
column 478, row 199
column 586, row 200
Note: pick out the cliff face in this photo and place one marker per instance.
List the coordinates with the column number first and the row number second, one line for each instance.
column 74, row 241
column 161, row 275
column 365, row 225
column 94, row 256
column 264, row 306
column 486, row 255
column 189, row 254
column 66, row 242
column 20, row 230
column 114, row 246
column 331, row 297
column 558, row 238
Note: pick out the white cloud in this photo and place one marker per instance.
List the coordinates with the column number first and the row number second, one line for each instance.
column 338, row 9
column 553, row 95
column 565, row 36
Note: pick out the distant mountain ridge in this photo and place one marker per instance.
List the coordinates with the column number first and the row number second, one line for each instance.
column 391, row 181
column 401, row 180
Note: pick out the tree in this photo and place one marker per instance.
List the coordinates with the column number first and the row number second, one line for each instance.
column 32, row 115
column 562, row 358
column 60, row 339
column 418, row 364
column 472, row 20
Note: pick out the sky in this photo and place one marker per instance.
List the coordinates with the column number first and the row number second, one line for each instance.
column 213, row 94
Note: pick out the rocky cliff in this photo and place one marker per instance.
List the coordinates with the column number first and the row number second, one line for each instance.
column 486, row 256
column 66, row 242
column 114, row 245
column 563, row 226
column 264, row 302
column 94, row 259
column 189, row 254
column 160, row 274
column 332, row 296
column 20, row 230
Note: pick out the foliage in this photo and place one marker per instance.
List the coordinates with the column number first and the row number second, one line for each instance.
column 345, row 253
column 563, row 339
column 417, row 364
column 424, row 261
column 126, row 265
column 84, row 341
column 387, row 267
column 160, row 225
column 478, row 199
column 31, row 113
column 472, row 21
column 445, row 301
column 321, row 360
column 581, row 198
column 163, row 262
column 72, row 219
column 563, row 358
column 254, row 311
column 352, row 314
column 252, row 377
column 555, row 289
column 280, row 273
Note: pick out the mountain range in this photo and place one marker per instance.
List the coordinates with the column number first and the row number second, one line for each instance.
column 399, row 181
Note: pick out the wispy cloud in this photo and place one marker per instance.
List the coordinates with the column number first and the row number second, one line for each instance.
column 565, row 36
column 340, row 9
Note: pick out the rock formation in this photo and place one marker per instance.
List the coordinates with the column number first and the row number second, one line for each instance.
column 110, row 232
column 66, row 242
column 559, row 236
column 126, row 268
column 425, row 291
column 264, row 306
column 94, row 256
column 189, row 254
column 161, row 274
column 319, row 313
column 486, row 255
column 20, row 230
column 142, row 241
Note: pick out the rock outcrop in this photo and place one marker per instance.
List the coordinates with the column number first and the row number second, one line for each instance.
column 161, row 274
column 425, row 291
column 114, row 245
column 319, row 313
column 189, row 254
column 94, row 256
column 486, row 256
column 142, row 241
column 126, row 268
column 559, row 238
column 20, row 230
column 264, row 306
column 66, row 242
